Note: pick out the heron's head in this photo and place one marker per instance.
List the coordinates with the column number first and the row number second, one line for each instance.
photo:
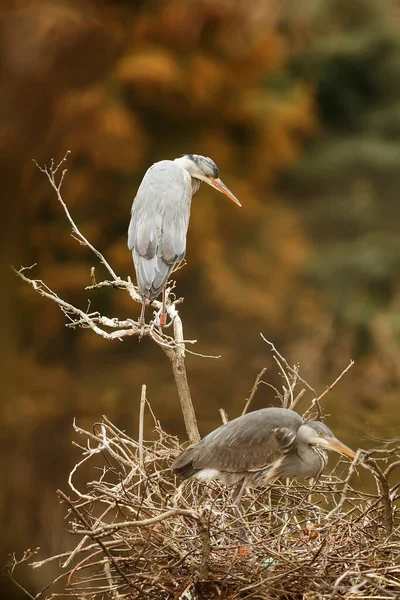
column 204, row 169
column 317, row 434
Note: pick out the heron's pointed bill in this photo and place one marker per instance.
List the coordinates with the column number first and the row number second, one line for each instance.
column 338, row 446
column 221, row 187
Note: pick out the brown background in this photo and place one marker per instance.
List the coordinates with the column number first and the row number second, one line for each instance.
column 299, row 105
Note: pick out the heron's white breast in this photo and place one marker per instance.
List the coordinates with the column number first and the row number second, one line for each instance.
column 207, row 474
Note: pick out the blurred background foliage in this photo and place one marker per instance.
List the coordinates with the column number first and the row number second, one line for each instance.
column 299, row 105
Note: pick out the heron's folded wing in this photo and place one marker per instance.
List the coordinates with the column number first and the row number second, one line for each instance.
column 172, row 247
column 160, row 213
column 245, row 446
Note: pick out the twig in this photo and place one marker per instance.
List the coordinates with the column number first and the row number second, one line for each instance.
column 224, row 415
column 285, row 362
column 297, row 399
column 205, row 549
column 316, row 401
column 330, row 387
column 50, row 172
column 11, row 568
column 103, row 547
column 253, row 390
column 350, row 472
column 385, row 491
column 113, row 591
column 141, row 420
column 287, row 391
column 106, row 529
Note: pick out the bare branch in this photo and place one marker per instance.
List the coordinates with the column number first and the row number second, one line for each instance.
column 289, row 368
column 173, row 346
column 330, row 387
column 50, row 173
column 141, row 423
column 253, row 390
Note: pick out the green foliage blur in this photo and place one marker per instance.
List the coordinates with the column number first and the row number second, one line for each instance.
column 298, row 103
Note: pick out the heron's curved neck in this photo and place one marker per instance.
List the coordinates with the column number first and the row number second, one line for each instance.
column 196, row 183
column 189, row 166
column 313, row 460
column 185, row 163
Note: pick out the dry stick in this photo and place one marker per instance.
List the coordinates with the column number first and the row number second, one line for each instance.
column 285, row 362
column 296, row 374
column 253, row 390
column 204, row 535
column 316, row 401
column 107, row 571
column 177, row 357
column 288, row 390
column 174, row 351
column 106, row 529
column 81, row 564
column 224, row 415
column 328, row 389
column 385, row 491
column 50, row 173
column 46, row 292
column 346, row 485
column 298, row 398
column 10, row 571
column 392, row 467
column 100, row 543
column 141, row 419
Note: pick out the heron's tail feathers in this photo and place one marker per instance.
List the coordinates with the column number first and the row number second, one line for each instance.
column 183, row 465
column 151, row 274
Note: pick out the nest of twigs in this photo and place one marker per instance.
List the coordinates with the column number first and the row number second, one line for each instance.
column 140, row 534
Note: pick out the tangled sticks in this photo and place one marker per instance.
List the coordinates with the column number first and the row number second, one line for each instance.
column 142, row 537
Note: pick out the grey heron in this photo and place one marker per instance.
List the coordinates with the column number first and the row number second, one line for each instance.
column 259, row 447
column 160, row 218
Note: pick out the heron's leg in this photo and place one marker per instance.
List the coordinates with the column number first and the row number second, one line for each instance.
column 141, row 318
column 237, row 499
column 163, row 314
column 238, row 493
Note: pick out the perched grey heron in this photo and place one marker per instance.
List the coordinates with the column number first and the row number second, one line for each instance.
column 160, row 219
column 259, row 447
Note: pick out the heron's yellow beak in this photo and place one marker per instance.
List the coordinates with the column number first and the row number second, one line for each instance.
column 338, row 446
column 221, row 187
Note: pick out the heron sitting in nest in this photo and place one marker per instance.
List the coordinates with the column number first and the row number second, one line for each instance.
column 258, row 447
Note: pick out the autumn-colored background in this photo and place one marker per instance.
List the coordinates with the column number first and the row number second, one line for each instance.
column 299, row 105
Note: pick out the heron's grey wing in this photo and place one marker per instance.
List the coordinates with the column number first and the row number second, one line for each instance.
column 248, row 443
column 158, row 226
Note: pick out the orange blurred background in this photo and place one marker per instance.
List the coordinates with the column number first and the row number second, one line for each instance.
column 299, row 106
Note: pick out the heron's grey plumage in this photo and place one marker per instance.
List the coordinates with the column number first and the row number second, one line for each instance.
column 159, row 223
column 259, row 447
column 160, row 217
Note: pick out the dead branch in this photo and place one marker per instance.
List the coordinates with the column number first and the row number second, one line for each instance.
column 292, row 378
column 112, row 328
column 253, row 390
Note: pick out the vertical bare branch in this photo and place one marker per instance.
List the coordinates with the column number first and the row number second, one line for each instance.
column 141, row 423
column 253, row 390
column 173, row 347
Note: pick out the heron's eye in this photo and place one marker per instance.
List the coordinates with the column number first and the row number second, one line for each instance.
column 320, row 433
